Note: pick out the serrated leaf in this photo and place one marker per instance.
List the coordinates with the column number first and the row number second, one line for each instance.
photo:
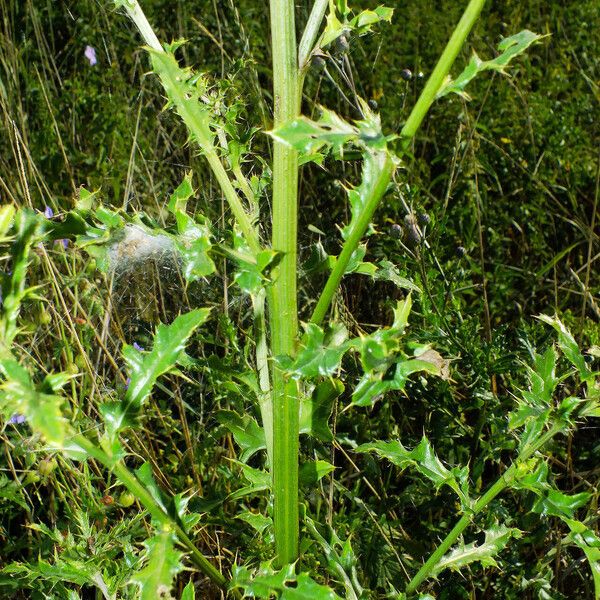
column 308, row 589
column 555, row 503
column 315, row 410
column 424, row 460
column 496, row 539
column 509, row 47
column 263, row 583
column 248, row 434
column 163, row 562
column 375, row 163
column 257, row 521
column 146, row 367
column 308, row 137
column 258, row 481
column 569, row 346
column 194, row 244
column 181, row 194
column 583, row 537
column 320, row 353
column 19, row 395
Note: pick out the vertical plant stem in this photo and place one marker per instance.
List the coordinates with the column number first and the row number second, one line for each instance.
column 411, row 126
column 309, row 37
column 282, row 298
column 499, row 486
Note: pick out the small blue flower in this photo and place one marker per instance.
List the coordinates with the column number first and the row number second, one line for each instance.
column 138, row 347
column 48, row 212
column 127, row 383
column 65, row 243
column 17, row 419
column 90, row 54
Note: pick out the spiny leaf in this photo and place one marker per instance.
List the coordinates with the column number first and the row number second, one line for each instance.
column 424, row 460
column 320, row 353
column 315, row 409
column 588, row 541
column 569, row 346
column 146, row 367
column 509, row 47
column 40, row 405
column 496, row 539
column 247, row 433
column 163, row 563
column 312, row 471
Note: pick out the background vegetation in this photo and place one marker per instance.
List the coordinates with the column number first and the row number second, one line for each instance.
column 508, row 186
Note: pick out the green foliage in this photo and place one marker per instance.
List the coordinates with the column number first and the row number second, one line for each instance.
column 509, row 48
column 162, row 563
column 496, row 539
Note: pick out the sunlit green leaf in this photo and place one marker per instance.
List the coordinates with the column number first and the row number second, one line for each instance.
column 496, row 539
column 257, row 521
column 509, row 48
column 162, row 564
column 424, row 460
column 312, row 471
column 146, row 367
column 585, row 538
column 320, row 353
column 42, row 409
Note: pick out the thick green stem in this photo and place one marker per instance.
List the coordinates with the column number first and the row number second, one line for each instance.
column 499, row 486
column 358, row 231
column 283, row 311
column 131, row 482
column 411, row 126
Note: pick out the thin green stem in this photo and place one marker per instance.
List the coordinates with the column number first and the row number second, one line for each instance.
column 132, row 483
column 196, row 123
column 376, row 193
column 499, row 486
column 409, row 130
column 441, row 70
column 283, row 311
column 309, row 37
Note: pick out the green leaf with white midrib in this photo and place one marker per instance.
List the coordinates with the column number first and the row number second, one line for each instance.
column 146, row 367
column 509, row 47
column 163, row 563
column 496, row 539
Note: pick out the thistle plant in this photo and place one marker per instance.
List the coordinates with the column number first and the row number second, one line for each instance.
column 296, row 375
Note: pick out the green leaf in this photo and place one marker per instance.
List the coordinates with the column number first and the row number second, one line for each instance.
column 163, row 563
column 266, row 582
column 496, row 539
column 308, row 137
column 588, row 541
column 194, row 245
column 308, row 589
column 320, row 353
column 18, row 394
column 374, row 164
column 183, row 192
column 312, row 471
column 424, row 460
column 189, row 591
column 555, row 503
column 569, row 346
column 146, row 367
column 315, row 410
column 509, row 47
column 248, row 434
column 258, row 481
column 257, row 521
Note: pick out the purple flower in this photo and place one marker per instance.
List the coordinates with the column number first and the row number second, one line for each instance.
column 17, row 419
column 90, row 54
column 138, row 347
column 48, row 212
column 65, row 243
column 127, row 383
